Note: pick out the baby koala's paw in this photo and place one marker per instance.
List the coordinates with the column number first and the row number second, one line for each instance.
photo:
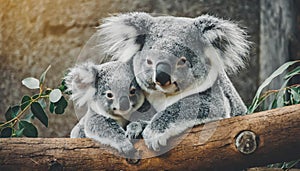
column 133, row 130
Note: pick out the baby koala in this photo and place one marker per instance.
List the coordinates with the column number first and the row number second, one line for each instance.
column 111, row 95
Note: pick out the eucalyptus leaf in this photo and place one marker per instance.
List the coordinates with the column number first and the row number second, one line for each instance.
column 42, row 77
column 29, row 129
column 273, row 104
column 19, row 132
column 63, row 86
column 279, row 71
column 29, row 117
column 55, row 95
column 289, row 165
column 280, row 99
column 60, row 106
column 42, row 103
column 47, row 92
column 51, row 107
column 12, row 112
column 295, row 94
column 25, row 102
column 38, row 112
column 6, row 132
column 35, row 96
column 31, row 83
column 292, row 73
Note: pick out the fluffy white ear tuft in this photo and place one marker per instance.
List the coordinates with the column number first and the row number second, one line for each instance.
column 123, row 35
column 81, row 82
column 227, row 38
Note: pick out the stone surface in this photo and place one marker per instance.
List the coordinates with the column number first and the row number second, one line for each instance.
column 35, row 34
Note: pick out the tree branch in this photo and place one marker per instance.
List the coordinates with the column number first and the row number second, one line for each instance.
column 262, row 138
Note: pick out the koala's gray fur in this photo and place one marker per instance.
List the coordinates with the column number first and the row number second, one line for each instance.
column 78, row 129
column 111, row 94
column 181, row 64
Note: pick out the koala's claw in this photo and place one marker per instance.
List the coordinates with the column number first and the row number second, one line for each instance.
column 154, row 139
column 133, row 130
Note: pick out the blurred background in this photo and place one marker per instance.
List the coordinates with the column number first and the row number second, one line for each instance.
column 36, row 34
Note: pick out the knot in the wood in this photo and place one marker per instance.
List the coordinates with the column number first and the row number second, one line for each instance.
column 246, row 142
column 55, row 166
column 133, row 161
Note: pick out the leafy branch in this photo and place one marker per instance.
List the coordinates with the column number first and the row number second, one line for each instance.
column 18, row 118
column 285, row 96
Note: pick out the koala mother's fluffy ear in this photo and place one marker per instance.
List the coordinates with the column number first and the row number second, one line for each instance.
column 124, row 34
column 81, row 82
column 227, row 38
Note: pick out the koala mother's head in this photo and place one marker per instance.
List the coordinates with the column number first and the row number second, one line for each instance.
column 171, row 54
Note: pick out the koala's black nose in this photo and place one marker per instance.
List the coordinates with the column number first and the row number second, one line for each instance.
column 124, row 103
column 162, row 74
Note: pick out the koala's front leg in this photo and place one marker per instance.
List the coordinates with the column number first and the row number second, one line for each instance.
column 170, row 122
column 107, row 131
column 134, row 129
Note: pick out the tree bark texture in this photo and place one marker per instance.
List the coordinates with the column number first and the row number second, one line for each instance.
column 277, row 31
column 276, row 138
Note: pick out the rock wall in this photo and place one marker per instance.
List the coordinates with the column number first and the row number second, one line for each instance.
column 35, row 34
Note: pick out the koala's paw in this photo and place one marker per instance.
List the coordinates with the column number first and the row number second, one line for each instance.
column 133, row 130
column 127, row 149
column 154, row 139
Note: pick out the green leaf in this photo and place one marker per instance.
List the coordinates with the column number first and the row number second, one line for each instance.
column 35, row 96
column 28, row 117
column 280, row 99
column 289, row 165
column 279, row 71
column 31, row 83
column 51, row 107
column 292, row 73
column 6, row 132
column 12, row 112
column 29, row 129
column 42, row 103
column 43, row 76
column 19, row 132
column 25, row 102
column 47, row 92
column 273, row 104
column 38, row 112
column 60, row 106
column 295, row 94
column 55, row 95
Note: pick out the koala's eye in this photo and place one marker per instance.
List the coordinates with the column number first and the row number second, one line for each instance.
column 132, row 91
column 149, row 62
column 109, row 95
column 181, row 61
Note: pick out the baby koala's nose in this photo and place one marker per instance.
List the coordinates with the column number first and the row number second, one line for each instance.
column 124, row 103
column 163, row 77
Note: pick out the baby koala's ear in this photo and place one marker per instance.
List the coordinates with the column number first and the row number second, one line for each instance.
column 121, row 36
column 227, row 38
column 81, row 82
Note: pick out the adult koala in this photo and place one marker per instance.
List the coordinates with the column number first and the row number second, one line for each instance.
column 181, row 64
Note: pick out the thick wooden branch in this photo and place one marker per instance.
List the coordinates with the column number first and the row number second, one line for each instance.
column 277, row 138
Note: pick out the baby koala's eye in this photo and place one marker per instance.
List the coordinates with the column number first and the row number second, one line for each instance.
column 109, row 95
column 149, row 62
column 181, row 61
column 132, row 91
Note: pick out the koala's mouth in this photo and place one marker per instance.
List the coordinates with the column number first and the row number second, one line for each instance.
column 121, row 114
column 168, row 88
